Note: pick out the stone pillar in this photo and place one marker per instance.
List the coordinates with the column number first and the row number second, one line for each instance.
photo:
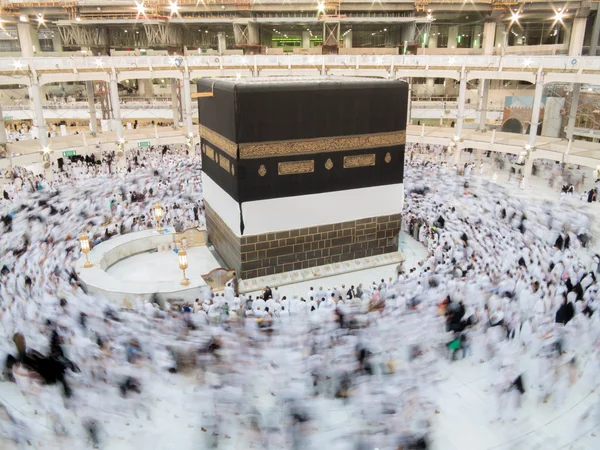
column 186, row 98
column 408, row 112
column 117, row 125
column 577, row 35
column 222, row 43
column 499, row 37
column 175, row 103
column 122, row 161
column 253, row 33
column 348, row 40
column 482, row 107
column 28, row 39
column 39, row 121
column 573, row 110
column 89, row 87
column 3, row 136
column 476, row 42
column 433, row 38
column 429, row 86
column 460, row 114
column 452, row 35
column 145, row 88
column 456, row 155
column 305, row 39
column 535, row 113
column 595, row 34
column 528, row 170
column 57, row 42
column 49, row 172
column 489, row 38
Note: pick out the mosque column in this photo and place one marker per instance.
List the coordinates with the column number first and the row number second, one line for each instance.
column 577, row 36
column 483, row 101
column 348, row 39
column 28, row 39
column 39, row 122
column 595, row 34
column 89, row 87
column 489, row 37
column 305, row 40
column 408, row 112
column 460, row 114
column 175, row 103
column 3, row 137
column 573, row 110
column 533, row 127
column 222, row 43
column 187, row 103
column 117, row 125
column 535, row 113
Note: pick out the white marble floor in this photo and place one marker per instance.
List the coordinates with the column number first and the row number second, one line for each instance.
column 164, row 266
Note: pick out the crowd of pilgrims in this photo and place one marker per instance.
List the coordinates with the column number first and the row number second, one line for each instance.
column 508, row 282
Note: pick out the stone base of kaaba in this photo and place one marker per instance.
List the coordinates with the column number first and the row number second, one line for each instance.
column 265, row 255
column 314, row 273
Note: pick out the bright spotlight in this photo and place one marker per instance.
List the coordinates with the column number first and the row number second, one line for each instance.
column 140, row 8
column 321, row 8
column 18, row 65
column 559, row 16
column 514, row 16
column 173, row 7
column 23, row 18
column 46, row 150
column 99, row 62
column 41, row 20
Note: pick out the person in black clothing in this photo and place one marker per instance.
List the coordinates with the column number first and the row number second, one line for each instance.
column 566, row 311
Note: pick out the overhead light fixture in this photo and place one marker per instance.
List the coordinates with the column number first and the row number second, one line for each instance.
column 126, row 31
column 321, row 7
column 40, row 19
column 140, row 8
column 18, row 65
column 173, row 7
column 99, row 63
column 206, row 31
column 559, row 16
column 514, row 16
column 77, row 19
column 23, row 18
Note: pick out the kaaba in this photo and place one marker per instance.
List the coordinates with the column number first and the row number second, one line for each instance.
column 299, row 173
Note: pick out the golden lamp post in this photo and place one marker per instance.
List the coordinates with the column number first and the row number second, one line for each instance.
column 84, row 241
column 158, row 215
column 183, row 264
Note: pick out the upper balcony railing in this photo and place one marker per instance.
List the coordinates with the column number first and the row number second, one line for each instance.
column 470, row 62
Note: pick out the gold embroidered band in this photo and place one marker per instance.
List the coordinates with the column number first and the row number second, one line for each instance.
column 294, row 147
column 359, row 161
column 296, row 167
column 220, row 141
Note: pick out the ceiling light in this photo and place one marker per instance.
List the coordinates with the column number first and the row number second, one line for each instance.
column 23, row 18
column 321, row 8
column 173, row 7
column 78, row 19
column 18, row 65
column 140, row 8
column 206, row 31
column 99, row 62
column 514, row 16
column 126, row 31
column 559, row 16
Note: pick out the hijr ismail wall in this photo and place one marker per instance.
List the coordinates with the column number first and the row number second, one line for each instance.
column 301, row 173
